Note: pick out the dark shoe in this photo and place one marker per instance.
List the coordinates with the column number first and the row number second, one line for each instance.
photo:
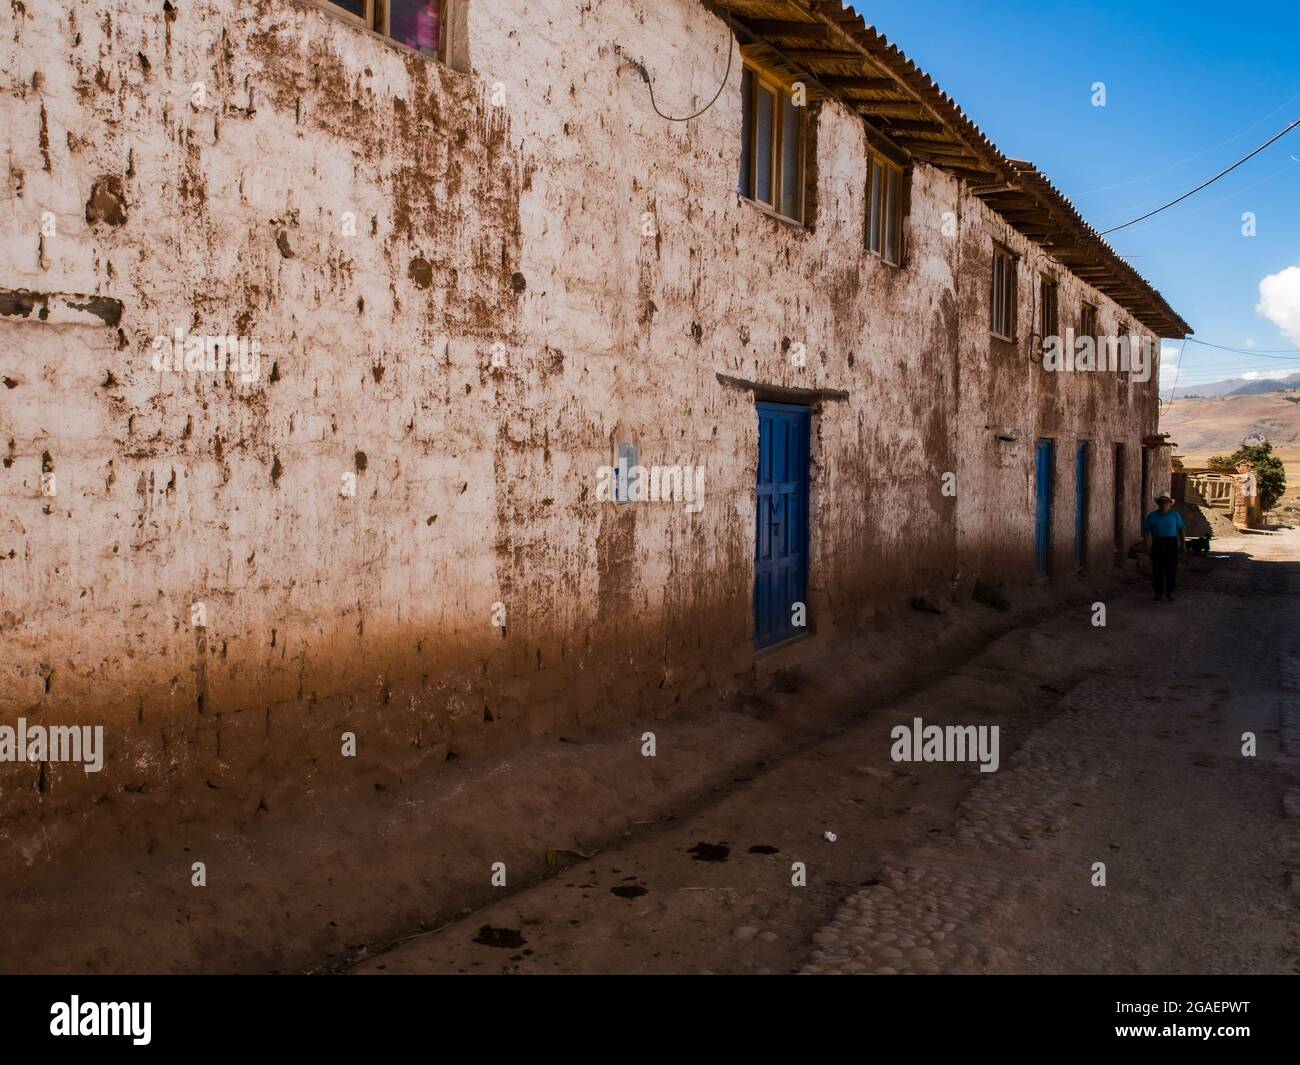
column 1158, row 597
column 1169, row 599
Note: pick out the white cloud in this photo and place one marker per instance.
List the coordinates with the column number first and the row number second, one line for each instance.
column 1169, row 363
column 1279, row 301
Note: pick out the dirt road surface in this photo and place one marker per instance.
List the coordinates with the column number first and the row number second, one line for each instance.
column 1122, row 758
column 1119, row 745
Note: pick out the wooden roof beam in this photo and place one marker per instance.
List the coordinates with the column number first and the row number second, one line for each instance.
column 944, row 157
column 822, row 55
column 913, row 125
column 889, row 107
column 766, row 27
column 853, row 81
column 1028, row 214
column 930, row 145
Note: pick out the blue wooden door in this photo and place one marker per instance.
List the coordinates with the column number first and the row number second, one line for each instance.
column 781, row 538
column 1081, row 506
column 1043, row 512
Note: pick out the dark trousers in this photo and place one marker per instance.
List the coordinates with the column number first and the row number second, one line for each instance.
column 1164, row 564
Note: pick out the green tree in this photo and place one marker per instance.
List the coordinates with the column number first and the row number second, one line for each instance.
column 1270, row 474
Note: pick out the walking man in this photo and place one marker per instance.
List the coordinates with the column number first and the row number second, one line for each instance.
column 1162, row 533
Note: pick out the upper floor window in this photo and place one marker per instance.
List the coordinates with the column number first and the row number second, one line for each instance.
column 885, row 209
column 1088, row 326
column 418, row 24
column 773, row 143
column 1121, row 361
column 1002, row 294
column 1050, row 315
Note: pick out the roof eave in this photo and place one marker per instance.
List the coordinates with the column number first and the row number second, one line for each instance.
column 903, row 104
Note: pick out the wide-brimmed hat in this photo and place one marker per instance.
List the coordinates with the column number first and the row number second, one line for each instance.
column 1164, row 495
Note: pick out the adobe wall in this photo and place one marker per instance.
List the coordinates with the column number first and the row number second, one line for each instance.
column 385, row 226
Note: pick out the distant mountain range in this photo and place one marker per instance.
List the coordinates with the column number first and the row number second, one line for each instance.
column 1234, row 386
column 1217, row 425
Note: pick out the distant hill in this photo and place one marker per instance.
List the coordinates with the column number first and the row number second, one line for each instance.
column 1276, row 384
column 1216, row 388
column 1235, row 386
column 1217, row 426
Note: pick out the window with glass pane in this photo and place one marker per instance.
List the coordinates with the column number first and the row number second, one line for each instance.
column 1088, row 324
column 765, row 148
column 1002, row 300
column 1050, row 317
column 416, row 24
column 791, row 157
column 874, row 241
column 772, row 145
column 1009, row 299
column 995, row 296
column 893, row 215
column 885, row 210
column 360, row 9
column 746, row 186
column 1088, row 327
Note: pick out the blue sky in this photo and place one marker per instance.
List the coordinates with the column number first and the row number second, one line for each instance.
column 1191, row 87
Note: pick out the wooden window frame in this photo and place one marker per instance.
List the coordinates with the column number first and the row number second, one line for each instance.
column 1088, row 318
column 1010, row 304
column 378, row 20
column 761, row 80
column 366, row 21
column 891, row 212
column 1048, row 284
column 1123, row 378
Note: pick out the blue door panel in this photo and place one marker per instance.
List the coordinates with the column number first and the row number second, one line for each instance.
column 1081, row 507
column 781, row 536
column 1044, row 463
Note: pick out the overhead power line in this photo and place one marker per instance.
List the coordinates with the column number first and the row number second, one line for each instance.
column 1175, row 166
column 1205, row 184
column 1267, row 353
column 1177, row 374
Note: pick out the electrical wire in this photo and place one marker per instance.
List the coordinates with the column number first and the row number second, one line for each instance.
column 1226, row 370
column 1266, row 353
column 1205, row 184
column 1178, row 373
column 1175, row 166
column 1287, row 167
column 1276, row 353
column 645, row 74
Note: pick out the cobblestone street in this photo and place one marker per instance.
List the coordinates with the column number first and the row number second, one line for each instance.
column 1141, row 770
column 1126, row 749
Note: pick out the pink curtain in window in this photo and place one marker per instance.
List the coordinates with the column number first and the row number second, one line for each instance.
column 416, row 24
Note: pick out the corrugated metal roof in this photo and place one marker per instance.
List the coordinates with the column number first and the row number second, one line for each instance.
column 924, row 121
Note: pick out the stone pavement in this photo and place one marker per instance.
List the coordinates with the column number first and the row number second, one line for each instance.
column 1143, row 772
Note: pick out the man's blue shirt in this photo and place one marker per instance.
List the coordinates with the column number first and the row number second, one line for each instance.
column 1157, row 524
